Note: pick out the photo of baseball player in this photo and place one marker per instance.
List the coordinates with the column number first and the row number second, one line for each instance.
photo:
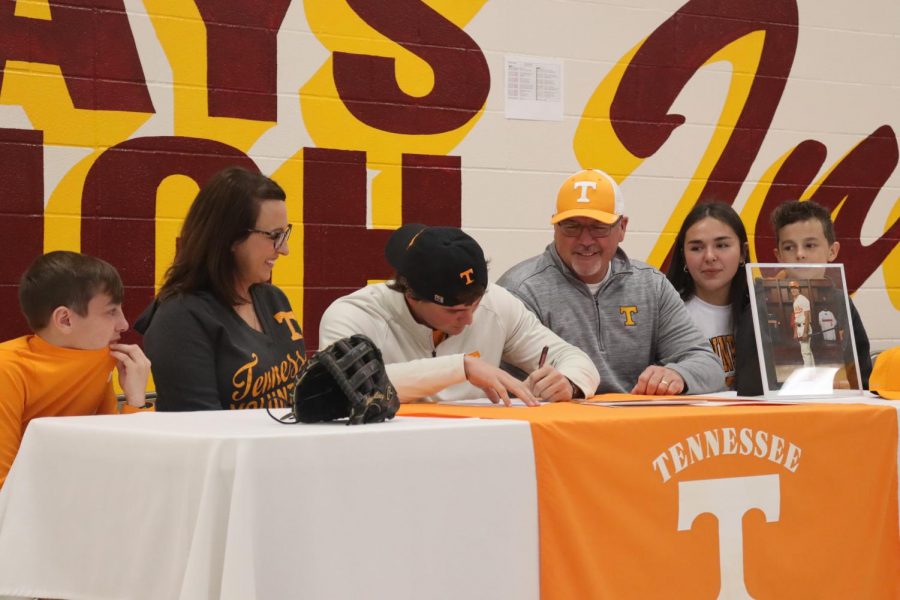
column 802, row 324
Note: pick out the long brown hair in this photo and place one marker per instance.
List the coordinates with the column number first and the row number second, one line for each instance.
column 678, row 275
column 220, row 216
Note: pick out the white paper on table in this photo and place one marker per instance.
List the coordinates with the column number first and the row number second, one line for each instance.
column 627, row 403
column 514, row 403
column 725, row 398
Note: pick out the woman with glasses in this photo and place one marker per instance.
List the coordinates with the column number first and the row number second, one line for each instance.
column 219, row 334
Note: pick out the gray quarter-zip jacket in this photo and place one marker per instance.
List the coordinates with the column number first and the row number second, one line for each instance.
column 636, row 319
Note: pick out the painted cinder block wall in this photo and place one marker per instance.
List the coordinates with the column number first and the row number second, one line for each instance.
column 372, row 113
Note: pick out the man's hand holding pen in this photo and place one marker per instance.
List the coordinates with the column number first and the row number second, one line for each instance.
column 547, row 383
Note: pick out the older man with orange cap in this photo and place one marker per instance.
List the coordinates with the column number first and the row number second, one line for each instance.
column 623, row 313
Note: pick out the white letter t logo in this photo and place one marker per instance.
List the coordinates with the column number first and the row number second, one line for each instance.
column 584, row 185
column 729, row 499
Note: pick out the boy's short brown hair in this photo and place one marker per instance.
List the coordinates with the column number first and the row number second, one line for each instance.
column 795, row 211
column 63, row 278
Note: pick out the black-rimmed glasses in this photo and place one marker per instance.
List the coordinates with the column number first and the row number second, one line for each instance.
column 595, row 230
column 278, row 236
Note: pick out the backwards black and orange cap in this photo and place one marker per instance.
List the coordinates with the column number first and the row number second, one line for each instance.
column 440, row 264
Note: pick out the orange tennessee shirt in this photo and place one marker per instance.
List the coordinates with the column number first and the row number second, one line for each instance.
column 38, row 379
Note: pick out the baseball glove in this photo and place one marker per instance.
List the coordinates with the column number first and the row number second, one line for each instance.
column 346, row 379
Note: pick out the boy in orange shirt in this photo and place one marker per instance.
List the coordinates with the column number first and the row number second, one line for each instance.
column 73, row 304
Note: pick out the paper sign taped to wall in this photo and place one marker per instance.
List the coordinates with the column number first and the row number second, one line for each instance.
column 534, row 88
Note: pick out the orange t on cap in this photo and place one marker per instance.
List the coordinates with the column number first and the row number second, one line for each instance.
column 885, row 378
column 589, row 193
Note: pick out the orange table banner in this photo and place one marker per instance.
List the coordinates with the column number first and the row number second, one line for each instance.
column 763, row 501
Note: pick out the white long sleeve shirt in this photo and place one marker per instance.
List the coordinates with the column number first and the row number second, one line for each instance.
column 501, row 329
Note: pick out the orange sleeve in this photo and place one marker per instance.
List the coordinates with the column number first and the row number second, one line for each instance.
column 12, row 408
column 128, row 409
column 111, row 405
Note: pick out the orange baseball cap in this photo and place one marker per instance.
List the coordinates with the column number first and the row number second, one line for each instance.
column 885, row 378
column 589, row 193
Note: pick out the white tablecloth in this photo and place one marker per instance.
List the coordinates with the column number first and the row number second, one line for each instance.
column 233, row 505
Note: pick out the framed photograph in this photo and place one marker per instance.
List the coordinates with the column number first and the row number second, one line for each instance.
column 804, row 335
